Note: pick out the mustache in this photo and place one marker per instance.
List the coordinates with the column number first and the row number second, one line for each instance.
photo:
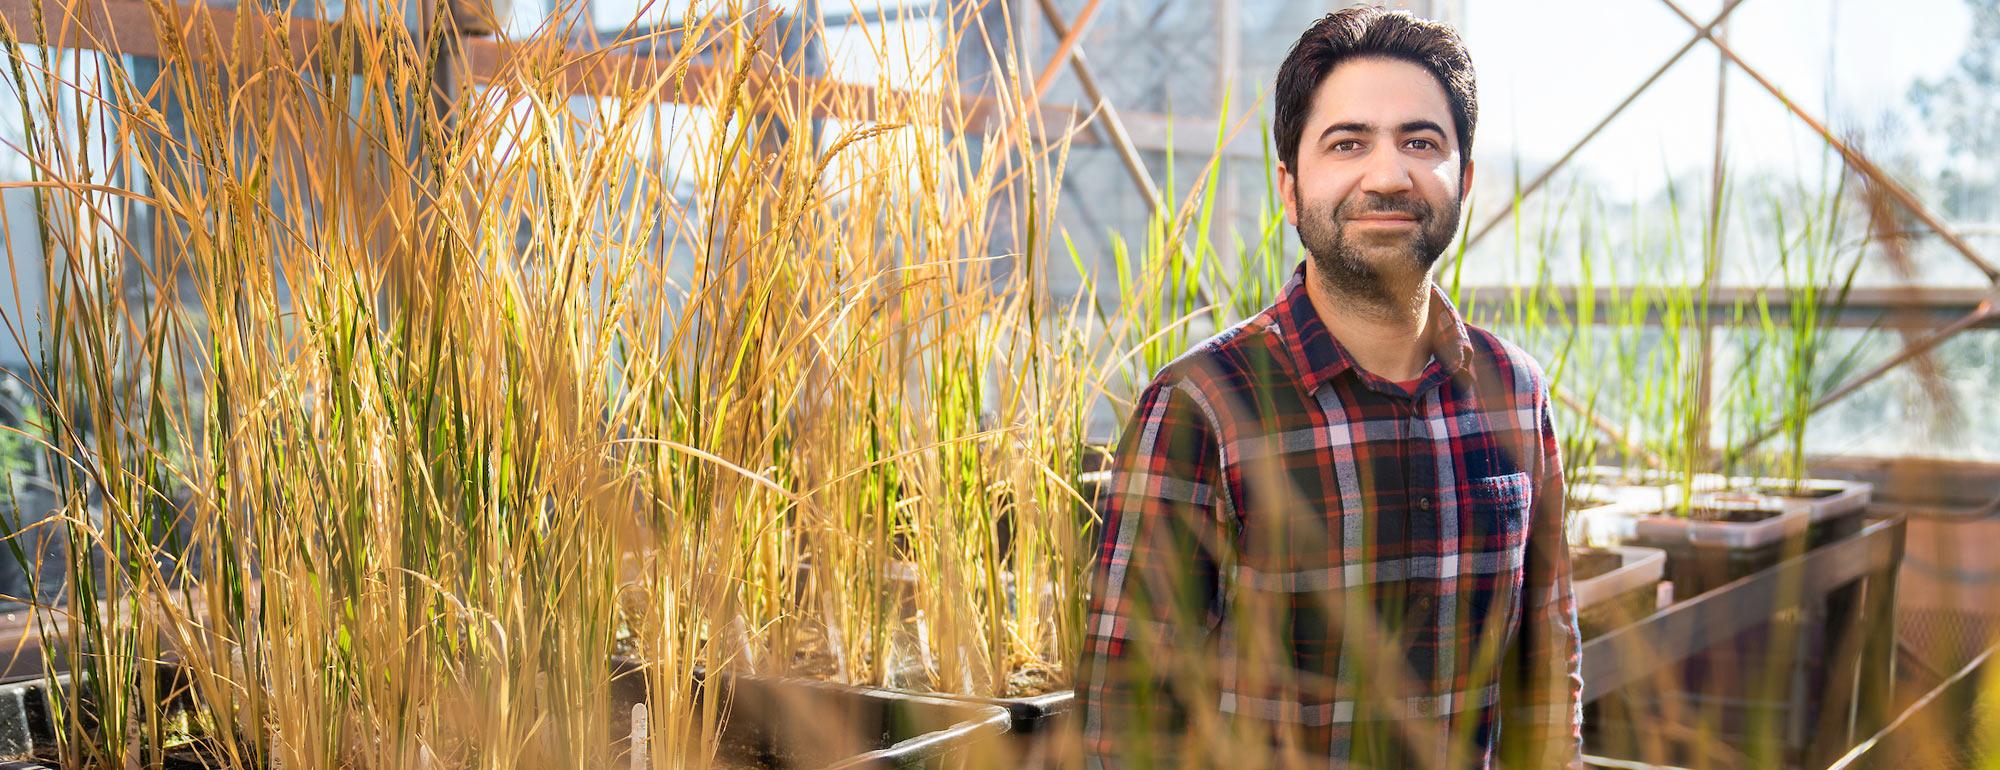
column 1377, row 203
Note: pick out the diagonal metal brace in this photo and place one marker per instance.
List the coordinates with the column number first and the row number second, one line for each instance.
column 1548, row 173
column 1853, row 157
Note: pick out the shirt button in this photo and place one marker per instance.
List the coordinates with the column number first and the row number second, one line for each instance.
column 1424, row 504
column 1423, row 605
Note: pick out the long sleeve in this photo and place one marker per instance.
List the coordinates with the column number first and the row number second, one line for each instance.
column 1154, row 592
column 1542, row 696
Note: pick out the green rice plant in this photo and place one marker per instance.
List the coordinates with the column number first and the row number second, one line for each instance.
column 1163, row 299
column 1562, row 228
column 1681, row 406
column 1563, row 335
column 1625, row 359
column 1623, row 350
column 1817, row 264
column 1264, row 263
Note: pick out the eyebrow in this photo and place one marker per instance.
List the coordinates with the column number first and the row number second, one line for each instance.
column 1357, row 127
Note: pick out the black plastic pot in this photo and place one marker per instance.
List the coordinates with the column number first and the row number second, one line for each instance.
column 1728, row 690
column 28, row 735
column 1707, row 555
column 1041, row 733
column 771, row 723
column 24, row 718
column 1703, row 555
column 795, row 723
column 1721, row 683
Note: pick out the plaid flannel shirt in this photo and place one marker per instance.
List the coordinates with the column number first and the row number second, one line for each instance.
column 1304, row 564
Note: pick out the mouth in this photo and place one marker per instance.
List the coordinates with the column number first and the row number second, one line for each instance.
column 1384, row 220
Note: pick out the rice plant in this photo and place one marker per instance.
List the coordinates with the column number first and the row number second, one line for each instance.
column 426, row 402
column 1789, row 360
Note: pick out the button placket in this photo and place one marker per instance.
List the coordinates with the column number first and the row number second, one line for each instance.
column 1421, row 464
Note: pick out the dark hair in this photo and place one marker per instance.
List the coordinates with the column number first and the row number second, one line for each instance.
column 1367, row 31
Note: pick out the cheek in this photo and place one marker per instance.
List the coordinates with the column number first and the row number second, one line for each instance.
column 1324, row 194
column 1442, row 176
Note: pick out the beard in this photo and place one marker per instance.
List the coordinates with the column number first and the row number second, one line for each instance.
column 1362, row 268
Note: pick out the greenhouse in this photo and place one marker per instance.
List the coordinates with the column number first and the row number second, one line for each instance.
column 681, row 384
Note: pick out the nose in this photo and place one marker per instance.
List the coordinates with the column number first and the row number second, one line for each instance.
column 1385, row 174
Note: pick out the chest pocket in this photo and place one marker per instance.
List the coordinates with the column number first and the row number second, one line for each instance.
column 1498, row 509
column 1498, row 514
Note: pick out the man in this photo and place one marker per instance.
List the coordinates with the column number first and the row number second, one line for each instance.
column 1334, row 531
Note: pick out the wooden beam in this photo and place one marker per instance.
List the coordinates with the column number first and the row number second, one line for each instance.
column 1190, row 137
column 1917, row 482
column 202, row 33
column 841, row 13
column 1888, row 307
column 612, row 72
column 1704, row 390
column 218, row 35
column 21, row 648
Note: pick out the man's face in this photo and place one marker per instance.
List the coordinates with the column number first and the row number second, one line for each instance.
column 1375, row 195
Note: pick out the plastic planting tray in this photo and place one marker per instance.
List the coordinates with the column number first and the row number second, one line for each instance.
column 1640, row 568
column 1821, row 499
column 1646, row 489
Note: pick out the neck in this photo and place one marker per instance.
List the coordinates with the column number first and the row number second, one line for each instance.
column 1385, row 334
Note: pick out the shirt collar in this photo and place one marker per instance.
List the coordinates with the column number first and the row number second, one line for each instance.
column 1318, row 357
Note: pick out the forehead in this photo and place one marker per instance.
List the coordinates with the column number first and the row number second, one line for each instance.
column 1379, row 90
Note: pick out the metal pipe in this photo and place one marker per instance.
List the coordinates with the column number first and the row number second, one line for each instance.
column 1134, row 165
column 1543, row 178
column 1063, row 49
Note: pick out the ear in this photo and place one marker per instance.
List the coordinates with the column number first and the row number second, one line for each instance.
column 1288, row 194
column 1465, row 181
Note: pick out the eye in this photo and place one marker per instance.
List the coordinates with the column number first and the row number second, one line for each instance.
column 1421, row 144
column 1346, row 145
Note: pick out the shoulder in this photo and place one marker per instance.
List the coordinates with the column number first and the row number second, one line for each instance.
column 1505, row 362
column 1521, row 386
column 1246, row 358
